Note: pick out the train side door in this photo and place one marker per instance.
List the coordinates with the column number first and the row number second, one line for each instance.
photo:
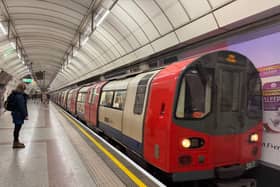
column 93, row 106
column 87, row 105
column 230, row 108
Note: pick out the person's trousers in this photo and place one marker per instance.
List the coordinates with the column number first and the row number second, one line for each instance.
column 16, row 132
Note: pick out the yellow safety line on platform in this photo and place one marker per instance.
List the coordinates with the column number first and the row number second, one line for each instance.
column 134, row 178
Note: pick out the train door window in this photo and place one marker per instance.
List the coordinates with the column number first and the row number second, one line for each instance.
column 140, row 94
column 83, row 97
column 93, row 95
column 195, row 95
column 230, row 85
column 119, row 100
column 254, row 105
column 90, row 96
column 106, row 98
column 80, row 97
column 69, row 99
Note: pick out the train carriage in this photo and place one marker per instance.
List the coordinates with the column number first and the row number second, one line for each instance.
column 64, row 98
column 82, row 99
column 59, row 98
column 73, row 101
column 92, row 102
column 195, row 119
column 122, row 109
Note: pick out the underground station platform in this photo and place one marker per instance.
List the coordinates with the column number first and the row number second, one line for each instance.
column 60, row 152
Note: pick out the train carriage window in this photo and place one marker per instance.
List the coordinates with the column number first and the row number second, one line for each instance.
column 82, row 97
column 119, row 100
column 140, row 94
column 195, row 95
column 106, row 98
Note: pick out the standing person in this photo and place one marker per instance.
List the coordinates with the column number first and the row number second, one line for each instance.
column 19, row 114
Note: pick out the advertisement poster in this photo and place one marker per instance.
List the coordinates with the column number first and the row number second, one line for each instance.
column 271, row 113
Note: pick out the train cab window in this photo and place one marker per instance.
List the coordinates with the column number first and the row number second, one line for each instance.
column 254, row 105
column 119, row 100
column 106, row 98
column 194, row 96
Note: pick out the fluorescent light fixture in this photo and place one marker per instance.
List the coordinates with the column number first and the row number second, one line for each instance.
column 102, row 18
column 13, row 45
column 3, row 28
column 85, row 41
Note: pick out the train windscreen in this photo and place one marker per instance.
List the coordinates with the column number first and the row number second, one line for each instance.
column 195, row 95
column 219, row 93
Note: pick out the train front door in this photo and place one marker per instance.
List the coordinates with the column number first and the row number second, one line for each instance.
column 230, row 111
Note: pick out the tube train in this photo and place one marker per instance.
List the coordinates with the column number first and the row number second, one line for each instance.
column 199, row 118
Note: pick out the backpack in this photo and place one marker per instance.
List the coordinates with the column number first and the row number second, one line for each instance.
column 10, row 103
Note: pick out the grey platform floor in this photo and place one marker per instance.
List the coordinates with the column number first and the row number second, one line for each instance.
column 56, row 154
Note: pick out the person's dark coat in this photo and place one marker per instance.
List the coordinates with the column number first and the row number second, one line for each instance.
column 20, row 111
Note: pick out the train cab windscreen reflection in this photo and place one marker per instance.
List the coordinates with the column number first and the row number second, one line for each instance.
column 194, row 96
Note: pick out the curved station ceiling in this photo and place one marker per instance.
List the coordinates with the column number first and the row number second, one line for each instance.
column 65, row 41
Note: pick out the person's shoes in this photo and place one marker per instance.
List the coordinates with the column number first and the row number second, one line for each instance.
column 18, row 145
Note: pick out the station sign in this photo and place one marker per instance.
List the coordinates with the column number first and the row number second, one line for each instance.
column 26, row 80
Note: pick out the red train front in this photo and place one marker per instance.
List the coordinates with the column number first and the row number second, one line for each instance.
column 196, row 119
column 204, row 117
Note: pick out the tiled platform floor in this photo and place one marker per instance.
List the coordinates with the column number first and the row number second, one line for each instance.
column 55, row 154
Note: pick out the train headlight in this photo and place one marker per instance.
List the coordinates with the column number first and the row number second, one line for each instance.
column 186, row 143
column 254, row 137
column 193, row 142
